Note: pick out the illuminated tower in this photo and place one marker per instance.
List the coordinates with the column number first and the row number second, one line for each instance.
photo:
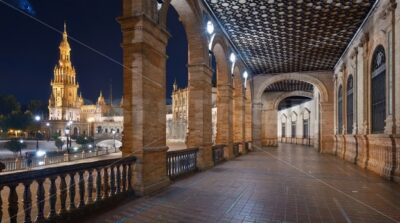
column 64, row 103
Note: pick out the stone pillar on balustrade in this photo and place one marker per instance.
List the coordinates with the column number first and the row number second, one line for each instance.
column 225, row 119
column 144, row 58
column 199, row 115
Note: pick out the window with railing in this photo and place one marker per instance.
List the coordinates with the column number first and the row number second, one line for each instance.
column 340, row 110
column 378, row 90
column 350, row 99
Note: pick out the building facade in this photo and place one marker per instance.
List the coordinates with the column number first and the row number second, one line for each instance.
column 68, row 108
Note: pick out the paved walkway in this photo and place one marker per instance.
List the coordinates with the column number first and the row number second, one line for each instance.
column 288, row 184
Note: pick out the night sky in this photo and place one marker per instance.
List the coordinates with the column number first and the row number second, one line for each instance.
column 29, row 50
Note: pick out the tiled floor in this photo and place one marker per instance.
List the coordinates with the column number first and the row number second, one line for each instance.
column 288, row 184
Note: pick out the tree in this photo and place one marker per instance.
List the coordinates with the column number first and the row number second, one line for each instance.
column 15, row 146
column 59, row 143
column 83, row 140
column 9, row 104
column 17, row 120
column 37, row 107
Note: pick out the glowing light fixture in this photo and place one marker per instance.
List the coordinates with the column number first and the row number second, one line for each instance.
column 37, row 118
column 210, row 27
column 232, row 58
column 245, row 75
column 40, row 153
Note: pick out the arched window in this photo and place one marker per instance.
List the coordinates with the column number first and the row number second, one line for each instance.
column 378, row 90
column 283, row 121
column 306, row 124
column 294, row 122
column 340, row 110
column 349, row 112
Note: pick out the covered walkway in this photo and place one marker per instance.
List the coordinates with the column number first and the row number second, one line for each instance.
column 290, row 183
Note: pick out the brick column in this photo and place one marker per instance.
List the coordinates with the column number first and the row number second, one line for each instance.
column 225, row 119
column 269, row 127
column 238, row 113
column 257, row 113
column 199, row 115
column 144, row 44
column 248, row 115
column 326, row 128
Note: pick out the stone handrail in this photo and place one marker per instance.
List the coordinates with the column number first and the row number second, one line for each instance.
column 181, row 162
column 85, row 184
column 21, row 163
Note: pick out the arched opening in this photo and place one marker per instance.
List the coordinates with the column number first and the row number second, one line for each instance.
column 177, row 82
column 378, row 90
column 349, row 105
column 340, row 110
column 288, row 94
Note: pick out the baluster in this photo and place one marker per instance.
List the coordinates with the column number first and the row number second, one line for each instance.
column 90, row 187
column 72, row 192
column 118, row 179
column 124, row 177
column 63, row 195
column 13, row 203
column 40, row 201
column 130, row 176
column 106, row 187
column 81, row 190
column 1, row 205
column 98, row 185
column 53, row 196
column 112, row 181
column 27, row 202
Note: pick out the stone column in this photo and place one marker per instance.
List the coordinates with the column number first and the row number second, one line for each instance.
column 199, row 114
column 256, row 122
column 269, row 125
column 144, row 58
column 225, row 119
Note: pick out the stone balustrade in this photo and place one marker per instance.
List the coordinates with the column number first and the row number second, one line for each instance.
column 236, row 149
column 21, row 163
column 57, row 194
column 181, row 162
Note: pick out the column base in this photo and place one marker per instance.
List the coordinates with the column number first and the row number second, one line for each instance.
column 204, row 157
column 150, row 171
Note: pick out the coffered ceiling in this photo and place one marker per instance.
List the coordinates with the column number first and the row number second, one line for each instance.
column 280, row 36
column 290, row 85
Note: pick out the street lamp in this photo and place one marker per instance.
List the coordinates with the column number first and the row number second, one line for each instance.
column 37, row 119
column 67, row 132
column 113, row 132
column 48, row 133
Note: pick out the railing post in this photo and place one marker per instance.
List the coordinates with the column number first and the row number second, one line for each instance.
column 1, row 205
column 105, row 182
column 53, row 196
column 71, row 188
column 118, row 179
column 40, row 201
column 13, row 203
column 66, row 157
column 81, row 190
column 18, row 163
column 112, row 180
column 124, row 167
column 63, row 194
column 46, row 160
column 83, row 154
column 90, row 186
column 27, row 202
column 98, row 184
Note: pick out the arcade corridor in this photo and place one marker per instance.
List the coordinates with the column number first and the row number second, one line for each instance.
column 289, row 184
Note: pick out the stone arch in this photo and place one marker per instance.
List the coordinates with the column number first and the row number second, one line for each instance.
column 294, row 76
column 238, row 105
column 219, row 50
column 290, row 94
